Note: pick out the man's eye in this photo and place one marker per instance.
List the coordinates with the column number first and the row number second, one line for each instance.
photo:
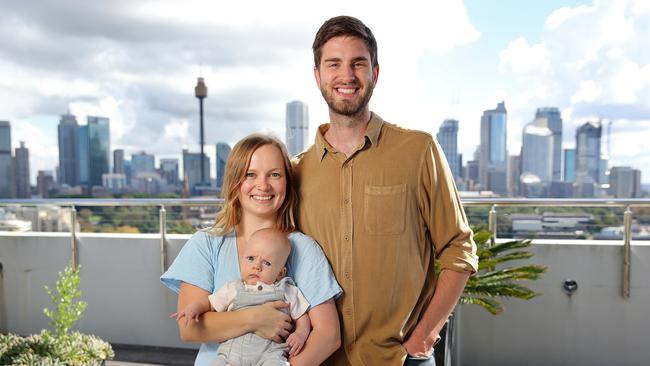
column 332, row 65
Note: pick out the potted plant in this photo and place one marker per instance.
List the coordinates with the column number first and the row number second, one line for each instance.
column 61, row 345
column 492, row 281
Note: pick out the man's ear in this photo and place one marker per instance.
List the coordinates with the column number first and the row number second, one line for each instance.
column 317, row 76
column 375, row 74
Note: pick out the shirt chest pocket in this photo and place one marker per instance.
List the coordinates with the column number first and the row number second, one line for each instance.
column 384, row 209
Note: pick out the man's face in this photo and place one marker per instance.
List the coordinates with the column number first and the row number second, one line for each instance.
column 345, row 75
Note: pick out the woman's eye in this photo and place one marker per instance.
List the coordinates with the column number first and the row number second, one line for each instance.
column 250, row 175
column 275, row 175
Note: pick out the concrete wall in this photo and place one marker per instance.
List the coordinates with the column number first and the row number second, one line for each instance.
column 128, row 304
column 119, row 281
column 594, row 326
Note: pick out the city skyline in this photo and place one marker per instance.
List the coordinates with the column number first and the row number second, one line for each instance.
column 110, row 61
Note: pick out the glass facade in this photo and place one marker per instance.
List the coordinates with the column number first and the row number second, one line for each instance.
column 99, row 149
column 297, row 127
column 223, row 150
column 84, row 157
column 569, row 165
column 5, row 160
column 498, row 138
column 68, row 150
column 448, row 139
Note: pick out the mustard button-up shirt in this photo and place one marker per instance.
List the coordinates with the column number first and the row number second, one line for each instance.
column 383, row 216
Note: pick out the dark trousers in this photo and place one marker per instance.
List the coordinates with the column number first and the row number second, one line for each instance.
column 410, row 361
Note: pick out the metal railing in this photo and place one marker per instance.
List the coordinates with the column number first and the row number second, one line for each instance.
column 493, row 203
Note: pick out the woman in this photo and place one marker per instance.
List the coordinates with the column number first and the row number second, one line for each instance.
column 258, row 193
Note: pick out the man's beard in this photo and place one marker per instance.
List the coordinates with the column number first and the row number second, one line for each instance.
column 348, row 108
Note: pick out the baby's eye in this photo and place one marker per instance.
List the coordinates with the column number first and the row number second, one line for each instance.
column 266, row 263
column 250, row 258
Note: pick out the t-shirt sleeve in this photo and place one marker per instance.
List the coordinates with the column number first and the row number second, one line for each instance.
column 311, row 271
column 298, row 304
column 221, row 299
column 193, row 265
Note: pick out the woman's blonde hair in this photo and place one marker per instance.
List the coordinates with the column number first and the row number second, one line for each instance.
column 235, row 172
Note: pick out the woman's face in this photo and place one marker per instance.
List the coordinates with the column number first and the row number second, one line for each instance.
column 265, row 183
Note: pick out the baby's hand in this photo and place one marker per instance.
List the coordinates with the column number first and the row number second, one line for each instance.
column 295, row 341
column 190, row 312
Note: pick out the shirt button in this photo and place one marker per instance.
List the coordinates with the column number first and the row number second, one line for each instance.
column 347, row 312
column 347, row 275
column 259, row 288
column 346, row 238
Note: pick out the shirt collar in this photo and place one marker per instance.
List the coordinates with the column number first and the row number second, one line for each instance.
column 373, row 131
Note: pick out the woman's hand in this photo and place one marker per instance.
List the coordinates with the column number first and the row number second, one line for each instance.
column 271, row 323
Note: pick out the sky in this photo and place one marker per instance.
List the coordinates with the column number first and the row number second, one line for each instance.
column 137, row 62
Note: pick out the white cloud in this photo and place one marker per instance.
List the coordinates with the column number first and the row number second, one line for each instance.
column 521, row 58
column 588, row 92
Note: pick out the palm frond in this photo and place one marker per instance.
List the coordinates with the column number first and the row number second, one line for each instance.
column 503, row 289
column 485, row 263
column 529, row 272
column 491, row 305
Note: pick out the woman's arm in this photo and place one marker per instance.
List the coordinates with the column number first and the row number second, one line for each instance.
column 325, row 336
column 264, row 320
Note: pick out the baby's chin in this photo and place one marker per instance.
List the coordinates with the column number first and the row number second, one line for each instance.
column 255, row 280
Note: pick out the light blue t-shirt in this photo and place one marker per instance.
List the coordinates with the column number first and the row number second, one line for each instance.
column 209, row 261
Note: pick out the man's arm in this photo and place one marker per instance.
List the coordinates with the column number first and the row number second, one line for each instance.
column 449, row 288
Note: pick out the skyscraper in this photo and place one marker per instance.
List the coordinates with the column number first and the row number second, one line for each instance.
column 99, row 149
column 448, row 139
column 68, row 133
column 514, row 174
column 625, row 182
column 537, row 151
column 21, row 172
column 169, row 169
column 494, row 151
column 142, row 163
column 297, row 127
column 118, row 161
column 588, row 158
column 6, row 176
column 44, row 183
column 84, row 156
column 192, row 168
column 569, row 165
column 223, row 150
column 554, row 123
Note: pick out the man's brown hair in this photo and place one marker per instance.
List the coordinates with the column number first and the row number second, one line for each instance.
column 342, row 26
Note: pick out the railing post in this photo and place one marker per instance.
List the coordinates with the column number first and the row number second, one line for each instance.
column 73, row 235
column 492, row 224
column 163, row 239
column 627, row 237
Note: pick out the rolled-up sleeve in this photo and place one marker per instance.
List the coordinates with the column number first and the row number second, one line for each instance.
column 443, row 213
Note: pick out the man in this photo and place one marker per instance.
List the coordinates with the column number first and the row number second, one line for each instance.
column 382, row 203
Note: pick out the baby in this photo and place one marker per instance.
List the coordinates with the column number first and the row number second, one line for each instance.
column 263, row 271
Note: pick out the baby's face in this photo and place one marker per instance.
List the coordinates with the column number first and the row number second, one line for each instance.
column 263, row 260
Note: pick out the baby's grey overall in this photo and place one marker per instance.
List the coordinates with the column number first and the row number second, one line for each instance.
column 251, row 349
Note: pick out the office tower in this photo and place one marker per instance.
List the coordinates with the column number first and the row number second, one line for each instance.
column 142, row 163
column 554, row 123
column 297, row 127
column 494, row 150
column 514, row 173
column 169, row 171
column 625, row 182
column 44, row 183
column 114, row 182
column 603, row 170
column 6, row 170
column 192, row 168
column 448, row 139
column 68, row 134
column 84, row 156
column 118, row 161
column 537, row 151
column 128, row 171
column 569, row 165
column 223, row 150
column 99, row 149
column 21, row 172
column 588, row 158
